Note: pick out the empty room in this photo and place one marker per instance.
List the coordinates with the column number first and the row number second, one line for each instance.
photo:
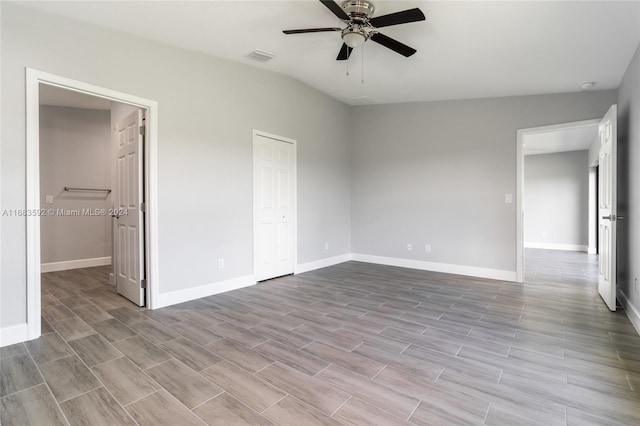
column 320, row 212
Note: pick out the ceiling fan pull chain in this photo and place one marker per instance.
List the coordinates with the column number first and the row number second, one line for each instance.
column 347, row 66
column 362, row 73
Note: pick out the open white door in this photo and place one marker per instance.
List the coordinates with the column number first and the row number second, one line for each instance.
column 607, row 131
column 129, row 238
column 273, row 198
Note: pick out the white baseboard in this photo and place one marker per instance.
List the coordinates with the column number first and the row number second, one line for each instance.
column 13, row 334
column 550, row 246
column 592, row 250
column 75, row 264
column 179, row 296
column 495, row 274
column 322, row 263
column 631, row 311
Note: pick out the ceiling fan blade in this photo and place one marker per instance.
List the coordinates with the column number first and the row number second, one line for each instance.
column 403, row 17
column 337, row 10
column 345, row 52
column 392, row 44
column 312, row 30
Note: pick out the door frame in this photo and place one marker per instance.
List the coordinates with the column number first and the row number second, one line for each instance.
column 521, row 133
column 295, row 194
column 33, row 80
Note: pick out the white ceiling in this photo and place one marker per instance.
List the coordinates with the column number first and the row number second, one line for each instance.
column 55, row 96
column 563, row 140
column 466, row 49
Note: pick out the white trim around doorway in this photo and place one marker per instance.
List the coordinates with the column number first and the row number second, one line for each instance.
column 33, row 79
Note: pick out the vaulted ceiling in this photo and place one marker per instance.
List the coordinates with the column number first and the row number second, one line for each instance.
column 466, row 49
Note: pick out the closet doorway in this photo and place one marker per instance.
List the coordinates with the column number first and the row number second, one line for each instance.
column 91, row 175
column 91, row 189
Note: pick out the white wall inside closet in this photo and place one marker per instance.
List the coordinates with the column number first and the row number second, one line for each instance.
column 75, row 149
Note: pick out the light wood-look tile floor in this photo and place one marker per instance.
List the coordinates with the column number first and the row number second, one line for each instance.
column 351, row 344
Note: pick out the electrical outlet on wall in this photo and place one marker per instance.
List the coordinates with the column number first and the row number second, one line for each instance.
column 409, row 247
column 427, row 248
column 326, row 246
column 221, row 263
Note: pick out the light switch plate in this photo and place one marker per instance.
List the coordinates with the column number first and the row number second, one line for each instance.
column 48, row 199
column 508, row 198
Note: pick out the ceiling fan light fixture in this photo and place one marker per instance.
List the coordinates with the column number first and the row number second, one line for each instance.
column 353, row 39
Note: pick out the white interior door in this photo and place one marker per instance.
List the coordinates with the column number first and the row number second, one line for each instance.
column 273, row 195
column 607, row 132
column 129, row 237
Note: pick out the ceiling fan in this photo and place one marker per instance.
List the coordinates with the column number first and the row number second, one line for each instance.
column 361, row 26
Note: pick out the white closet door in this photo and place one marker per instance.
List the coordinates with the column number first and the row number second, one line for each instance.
column 273, row 207
column 129, row 238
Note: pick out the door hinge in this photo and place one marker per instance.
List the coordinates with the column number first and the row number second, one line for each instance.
column 142, row 130
column 143, row 207
column 143, row 284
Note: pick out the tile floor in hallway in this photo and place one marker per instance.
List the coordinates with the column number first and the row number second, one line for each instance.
column 354, row 343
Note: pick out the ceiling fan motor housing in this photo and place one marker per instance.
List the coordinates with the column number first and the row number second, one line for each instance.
column 358, row 10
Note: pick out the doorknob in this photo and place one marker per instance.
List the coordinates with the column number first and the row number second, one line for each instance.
column 611, row 217
column 116, row 216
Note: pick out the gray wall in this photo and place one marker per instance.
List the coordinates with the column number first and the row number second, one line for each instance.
column 207, row 110
column 556, row 199
column 629, row 182
column 75, row 148
column 437, row 173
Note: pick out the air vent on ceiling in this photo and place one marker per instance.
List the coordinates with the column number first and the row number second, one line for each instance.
column 363, row 100
column 261, row 55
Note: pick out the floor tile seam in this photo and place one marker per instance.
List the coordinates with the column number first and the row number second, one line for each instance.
column 442, row 370
column 320, row 371
column 144, row 372
column 160, row 363
column 255, row 373
column 486, row 414
column 370, row 402
column 341, row 405
column 61, row 338
column 508, row 409
column 230, row 362
column 307, row 344
column 143, row 397
column 275, row 403
column 153, row 365
column 222, row 390
column 592, row 414
column 392, row 414
column 414, row 409
column 43, row 382
column 171, row 397
column 80, row 394
column 162, row 388
column 101, row 385
column 13, row 356
column 194, row 342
